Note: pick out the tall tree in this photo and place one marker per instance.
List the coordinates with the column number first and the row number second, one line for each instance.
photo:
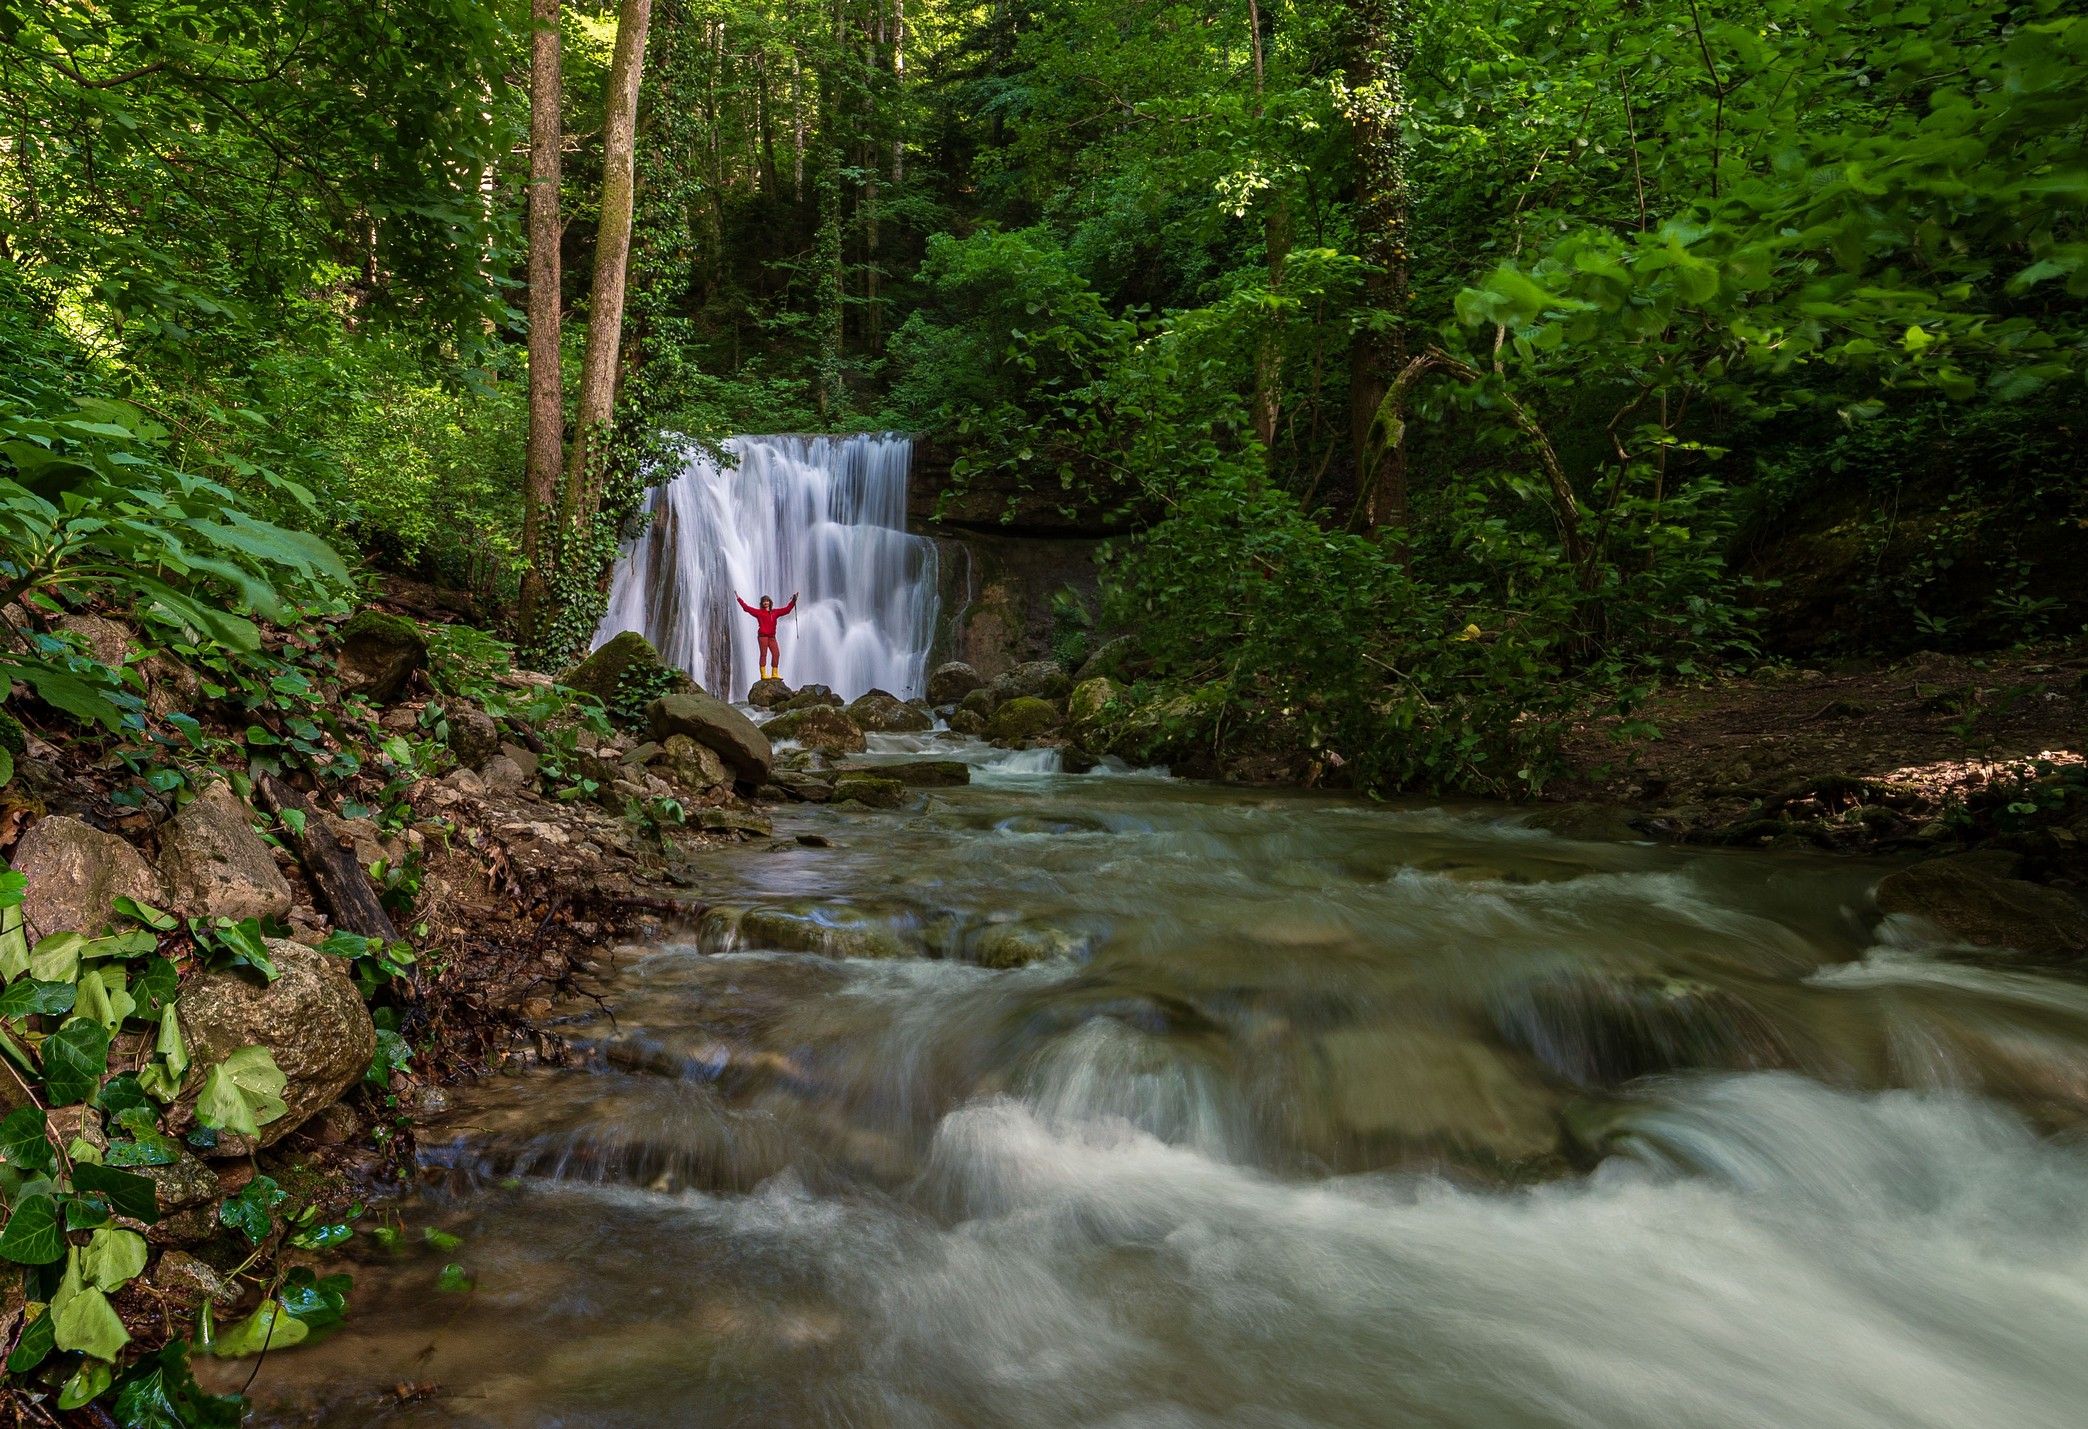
column 1379, row 41
column 546, row 445
column 599, row 369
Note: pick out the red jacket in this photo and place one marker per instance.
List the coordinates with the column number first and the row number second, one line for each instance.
column 767, row 619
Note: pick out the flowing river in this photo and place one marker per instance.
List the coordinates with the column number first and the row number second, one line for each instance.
column 1303, row 1112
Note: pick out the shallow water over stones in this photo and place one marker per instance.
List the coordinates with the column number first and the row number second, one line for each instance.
column 1109, row 1100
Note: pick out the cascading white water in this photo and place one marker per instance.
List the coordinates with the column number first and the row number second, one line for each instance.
column 822, row 516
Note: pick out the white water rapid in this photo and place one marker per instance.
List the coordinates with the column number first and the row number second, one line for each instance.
column 824, row 517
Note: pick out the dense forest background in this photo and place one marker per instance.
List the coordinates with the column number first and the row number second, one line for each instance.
column 1445, row 365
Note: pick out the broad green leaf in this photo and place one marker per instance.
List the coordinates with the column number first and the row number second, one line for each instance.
column 25, row 1143
column 251, row 1212
column 75, row 1059
column 128, row 1194
column 88, row 1323
column 27, row 996
column 156, row 918
column 270, row 1327
column 163, row 1075
column 31, row 1235
column 160, row 1393
column 56, row 957
column 317, row 1300
column 243, row 1093
column 112, row 1257
column 35, row 1341
column 88, row 1383
column 103, row 997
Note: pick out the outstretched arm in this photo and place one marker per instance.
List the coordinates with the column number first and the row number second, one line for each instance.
column 746, row 607
column 790, row 607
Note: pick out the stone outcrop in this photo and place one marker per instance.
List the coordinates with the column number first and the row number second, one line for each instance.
column 1977, row 897
column 1038, row 679
column 311, row 1019
column 379, row 654
column 717, row 725
column 951, row 682
column 870, row 790
column 1084, row 709
column 625, row 669
column 820, row 727
column 920, row 773
column 74, row 870
column 768, row 694
column 694, row 767
column 215, row 865
column 885, row 713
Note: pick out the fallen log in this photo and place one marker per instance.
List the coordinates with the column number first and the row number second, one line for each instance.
column 336, row 877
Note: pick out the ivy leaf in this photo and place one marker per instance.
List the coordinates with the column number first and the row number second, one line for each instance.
column 249, row 1211
column 31, row 1235
column 26, row 996
column 269, row 1327
column 317, row 1301
column 87, row 1383
column 130, row 1195
column 242, row 943
column 162, row 1077
column 122, row 1093
column 23, row 1142
column 13, row 885
column 35, row 1341
column 243, row 1093
column 75, row 1059
column 103, row 997
column 87, row 1322
column 160, row 1393
column 56, row 958
column 154, row 985
column 155, row 918
column 112, row 1257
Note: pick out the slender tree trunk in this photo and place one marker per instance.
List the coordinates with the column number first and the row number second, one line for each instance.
column 797, row 126
column 546, row 444
column 605, row 309
column 1379, row 42
column 1276, row 237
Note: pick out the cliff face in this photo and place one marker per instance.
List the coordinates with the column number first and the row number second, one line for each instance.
column 1006, row 553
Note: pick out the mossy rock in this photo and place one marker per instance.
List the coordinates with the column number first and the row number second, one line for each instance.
column 380, row 653
column 626, row 674
column 811, row 697
column 870, row 790
column 1085, row 707
column 820, row 727
column 964, row 721
column 1024, row 717
column 920, row 773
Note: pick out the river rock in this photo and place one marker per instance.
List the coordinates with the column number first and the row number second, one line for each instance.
column 968, row 722
column 886, row 713
column 1111, row 660
column 807, row 788
column 734, row 821
column 947, row 684
column 711, row 722
column 214, row 863
column 1596, row 1030
column 1036, row 679
column 310, row 1018
column 1015, row 945
column 74, row 871
column 190, row 1281
column 820, row 727
column 108, row 641
column 695, row 767
column 1024, row 717
column 186, row 1193
column 1085, row 706
column 869, row 790
column 379, row 654
column 811, row 697
column 767, row 694
column 979, row 702
column 920, row 773
column 1976, row 897
column 474, row 737
column 1407, row 1091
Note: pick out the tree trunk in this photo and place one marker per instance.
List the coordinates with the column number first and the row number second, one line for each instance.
column 1379, row 42
column 1276, row 237
column 546, row 443
column 605, row 307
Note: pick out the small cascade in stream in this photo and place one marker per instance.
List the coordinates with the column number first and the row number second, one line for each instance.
column 822, row 516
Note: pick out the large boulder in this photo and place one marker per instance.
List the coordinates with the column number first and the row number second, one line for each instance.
column 379, row 654
column 1977, row 898
column 877, row 793
column 1038, row 679
column 979, row 703
column 1084, row 709
column 737, row 739
column 964, row 721
column 886, row 713
column 311, row 1019
column 626, row 673
column 820, row 727
column 952, row 682
column 811, row 697
column 1111, row 660
column 474, row 737
column 108, row 641
column 74, row 872
column 1024, row 717
column 695, row 767
column 215, row 865
column 768, row 694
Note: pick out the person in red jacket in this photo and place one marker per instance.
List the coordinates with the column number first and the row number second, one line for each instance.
column 765, row 622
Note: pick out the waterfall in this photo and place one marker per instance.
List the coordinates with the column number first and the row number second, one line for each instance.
column 822, row 516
